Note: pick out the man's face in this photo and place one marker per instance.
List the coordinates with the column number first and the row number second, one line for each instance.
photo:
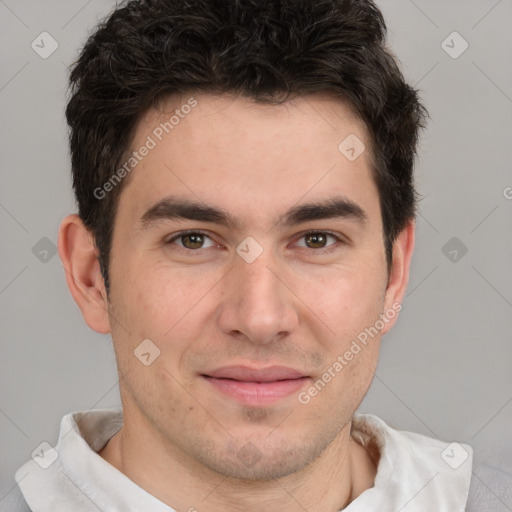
column 226, row 318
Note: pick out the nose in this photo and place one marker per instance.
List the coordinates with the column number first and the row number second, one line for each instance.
column 257, row 304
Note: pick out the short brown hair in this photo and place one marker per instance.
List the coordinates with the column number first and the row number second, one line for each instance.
column 269, row 51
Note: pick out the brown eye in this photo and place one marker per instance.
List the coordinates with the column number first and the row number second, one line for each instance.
column 315, row 240
column 322, row 241
column 192, row 241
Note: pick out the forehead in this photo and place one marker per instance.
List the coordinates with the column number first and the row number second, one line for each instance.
column 249, row 157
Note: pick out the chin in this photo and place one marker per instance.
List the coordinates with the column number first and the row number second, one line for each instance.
column 262, row 460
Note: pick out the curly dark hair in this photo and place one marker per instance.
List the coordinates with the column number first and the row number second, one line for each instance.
column 269, row 51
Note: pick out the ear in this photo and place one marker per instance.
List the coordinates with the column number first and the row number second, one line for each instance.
column 82, row 268
column 403, row 248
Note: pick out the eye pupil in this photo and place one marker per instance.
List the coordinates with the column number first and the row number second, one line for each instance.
column 192, row 241
column 316, row 240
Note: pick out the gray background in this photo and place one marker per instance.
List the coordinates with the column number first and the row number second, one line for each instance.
column 444, row 368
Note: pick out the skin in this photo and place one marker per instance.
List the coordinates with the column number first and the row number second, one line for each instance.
column 206, row 308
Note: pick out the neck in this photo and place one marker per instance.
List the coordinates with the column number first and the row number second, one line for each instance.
column 330, row 483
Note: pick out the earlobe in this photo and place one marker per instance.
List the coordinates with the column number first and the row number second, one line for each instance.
column 403, row 248
column 79, row 259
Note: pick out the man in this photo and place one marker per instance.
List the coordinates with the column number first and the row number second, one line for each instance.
column 243, row 173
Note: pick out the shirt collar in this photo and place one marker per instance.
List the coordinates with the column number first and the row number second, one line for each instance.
column 412, row 472
column 80, row 479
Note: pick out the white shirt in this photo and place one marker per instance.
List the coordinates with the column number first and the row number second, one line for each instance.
column 415, row 473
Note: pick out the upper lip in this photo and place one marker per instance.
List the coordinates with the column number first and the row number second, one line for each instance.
column 247, row 374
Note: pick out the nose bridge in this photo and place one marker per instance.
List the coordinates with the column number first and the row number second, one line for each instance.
column 259, row 284
column 258, row 304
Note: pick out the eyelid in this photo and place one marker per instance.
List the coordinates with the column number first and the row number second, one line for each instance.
column 176, row 236
column 340, row 239
column 338, row 236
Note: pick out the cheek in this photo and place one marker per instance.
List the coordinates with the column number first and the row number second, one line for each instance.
column 348, row 302
column 340, row 389
column 169, row 304
column 354, row 353
column 157, row 304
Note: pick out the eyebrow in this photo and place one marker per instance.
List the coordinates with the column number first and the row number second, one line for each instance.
column 171, row 208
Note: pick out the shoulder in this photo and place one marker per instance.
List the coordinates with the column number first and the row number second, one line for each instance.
column 491, row 483
column 14, row 502
column 433, row 472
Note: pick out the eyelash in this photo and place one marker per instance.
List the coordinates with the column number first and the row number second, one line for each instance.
column 324, row 250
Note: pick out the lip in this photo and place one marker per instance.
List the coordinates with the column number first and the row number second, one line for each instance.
column 248, row 374
column 256, row 387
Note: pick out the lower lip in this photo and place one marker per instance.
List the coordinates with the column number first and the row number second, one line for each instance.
column 257, row 393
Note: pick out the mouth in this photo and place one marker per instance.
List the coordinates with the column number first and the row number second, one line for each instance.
column 256, row 387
